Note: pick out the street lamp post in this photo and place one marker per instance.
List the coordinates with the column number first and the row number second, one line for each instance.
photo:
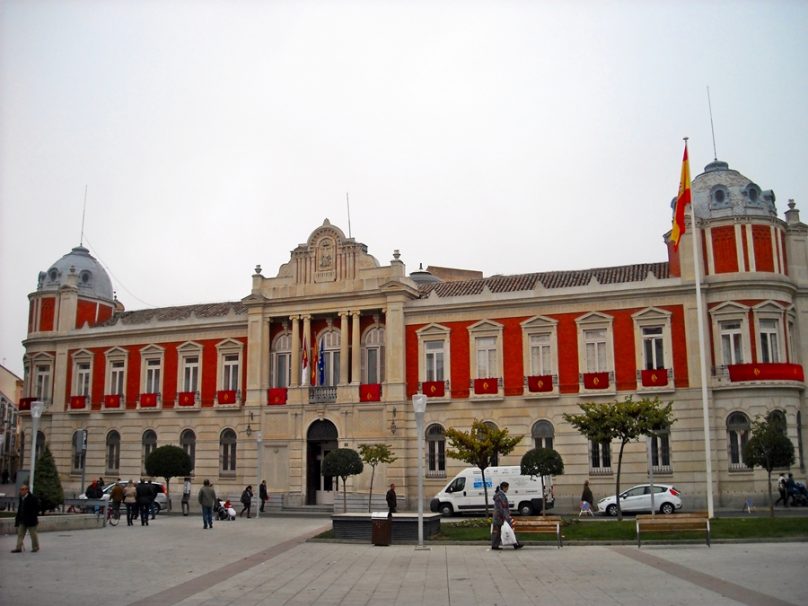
column 259, row 443
column 419, row 405
column 37, row 407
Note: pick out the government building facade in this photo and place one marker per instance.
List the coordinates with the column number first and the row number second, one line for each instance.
column 328, row 352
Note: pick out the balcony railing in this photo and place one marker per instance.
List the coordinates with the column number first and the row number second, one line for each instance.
column 323, row 394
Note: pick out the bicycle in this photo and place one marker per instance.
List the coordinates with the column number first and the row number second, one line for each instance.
column 113, row 514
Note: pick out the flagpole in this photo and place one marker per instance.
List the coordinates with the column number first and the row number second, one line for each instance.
column 702, row 359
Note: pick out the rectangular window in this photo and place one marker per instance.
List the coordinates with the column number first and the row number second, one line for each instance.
column 434, row 360
column 731, row 342
column 486, row 357
column 541, row 362
column 436, row 456
column 737, row 440
column 601, row 459
column 282, row 371
column 595, row 343
column 373, row 364
column 42, row 385
column 117, row 376
column 331, row 367
column 82, row 379
column 230, row 372
column 228, row 457
column 653, row 348
column 190, row 373
column 152, row 376
column 660, row 450
column 769, row 343
column 113, row 456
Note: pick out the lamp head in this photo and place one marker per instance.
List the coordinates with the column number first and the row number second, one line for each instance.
column 37, row 407
column 419, row 402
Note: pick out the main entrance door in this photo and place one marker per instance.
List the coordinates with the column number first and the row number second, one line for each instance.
column 320, row 440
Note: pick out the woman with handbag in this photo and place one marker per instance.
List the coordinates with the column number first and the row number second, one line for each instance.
column 246, row 501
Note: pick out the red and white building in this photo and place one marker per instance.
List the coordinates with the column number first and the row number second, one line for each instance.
column 328, row 352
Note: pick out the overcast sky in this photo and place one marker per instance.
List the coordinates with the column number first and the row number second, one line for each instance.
column 508, row 137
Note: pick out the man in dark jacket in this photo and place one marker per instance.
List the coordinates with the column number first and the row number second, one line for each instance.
column 144, row 500
column 26, row 519
column 263, row 494
column 392, row 500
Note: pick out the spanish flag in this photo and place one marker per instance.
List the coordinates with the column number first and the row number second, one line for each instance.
column 681, row 203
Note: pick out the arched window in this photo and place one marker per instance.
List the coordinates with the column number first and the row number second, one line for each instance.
column 328, row 360
column 79, row 451
column 543, row 434
column 436, row 451
column 188, row 443
column 373, row 355
column 737, row 436
column 113, row 452
column 282, row 360
column 227, row 453
column 149, row 444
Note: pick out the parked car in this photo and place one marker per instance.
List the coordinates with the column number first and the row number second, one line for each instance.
column 160, row 501
column 638, row 499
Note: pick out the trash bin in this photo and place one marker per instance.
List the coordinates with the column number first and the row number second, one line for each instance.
column 381, row 529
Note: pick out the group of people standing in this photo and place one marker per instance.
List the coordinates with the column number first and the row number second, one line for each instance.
column 209, row 501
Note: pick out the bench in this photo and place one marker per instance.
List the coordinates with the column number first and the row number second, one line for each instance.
column 539, row 525
column 678, row 522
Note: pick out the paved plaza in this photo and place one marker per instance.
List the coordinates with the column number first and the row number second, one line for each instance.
column 174, row 561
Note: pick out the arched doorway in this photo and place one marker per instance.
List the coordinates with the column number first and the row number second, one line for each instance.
column 320, row 440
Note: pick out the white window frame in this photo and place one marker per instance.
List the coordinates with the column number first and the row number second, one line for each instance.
column 546, row 362
column 772, row 339
column 228, row 452
column 330, row 352
column 147, row 448
column 435, row 452
column 282, row 356
column 150, row 354
column 82, row 381
column 737, row 436
column 602, row 449
column 587, row 326
column 225, row 352
column 373, row 354
column 539, row 431
column 112, row 450
column 189, row 367
column 439, row 335
column 115, row 356
column 485, row 350
column 661, row 450
column 41, row 387
column 652, row 318
column 721, row 317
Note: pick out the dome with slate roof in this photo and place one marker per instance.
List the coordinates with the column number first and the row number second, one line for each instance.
column 720, row 192
column 93, row 280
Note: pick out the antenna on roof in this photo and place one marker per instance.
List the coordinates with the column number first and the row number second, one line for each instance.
column 712, row 128
column 83, row 212
column 348, row 203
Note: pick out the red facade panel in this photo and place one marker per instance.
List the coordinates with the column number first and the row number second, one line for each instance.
column 725, row 251
column 625, row 360
column 679, row 345
column 169, row 378
column 99, row 377
column 47, row 313
column 104, row 313
column 567, row 353
column 513, row 361
column 208, row 368
column 745, row 247
column 86, row 312
column 764, row 254
column 460, row 373
column 132, row 375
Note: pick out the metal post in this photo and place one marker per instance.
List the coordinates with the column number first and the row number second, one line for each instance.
column 419, row 405
column 36, row 411
column 651, row 436
column 259, row 444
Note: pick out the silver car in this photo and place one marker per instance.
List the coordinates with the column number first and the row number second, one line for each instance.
column 638, row 499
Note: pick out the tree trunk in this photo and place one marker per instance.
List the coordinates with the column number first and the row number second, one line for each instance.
column 370, row 495
column 485, row 491
column 344, row 496
column 543, row 502
column 771, row 503
column 617, row 482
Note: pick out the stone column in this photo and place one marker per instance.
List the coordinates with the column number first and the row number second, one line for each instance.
column 294, row 380
column 307, row 345
column 356, row 359
column 343, row 348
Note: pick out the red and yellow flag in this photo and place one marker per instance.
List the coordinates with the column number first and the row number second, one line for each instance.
column 681, row 203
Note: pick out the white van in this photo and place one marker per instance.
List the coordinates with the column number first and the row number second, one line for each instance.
column 465, row 491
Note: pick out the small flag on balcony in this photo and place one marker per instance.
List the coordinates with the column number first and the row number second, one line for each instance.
column 434, row 389
column 370, row 392
column 540, row 383
column 276, row 396
column 486, row 386
column 654, row 378
column 596, row 380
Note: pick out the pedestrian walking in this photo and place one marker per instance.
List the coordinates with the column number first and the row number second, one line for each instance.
column 207, row 499
column 186, row 496
column 392, row 500
column 781, row 490
column 153, row 489
column 246, row 501
column 26, row 519
column 502, row 514
column 130, row 500
column 116, row 495
column 263, row 494
column 144, row 493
